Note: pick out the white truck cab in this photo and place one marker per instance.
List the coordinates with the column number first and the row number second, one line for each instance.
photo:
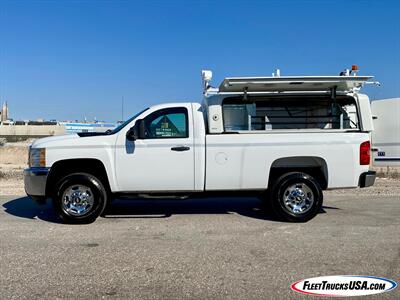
column 284, row 139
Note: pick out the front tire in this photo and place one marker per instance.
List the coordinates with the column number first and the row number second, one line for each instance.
column 80, row 198
column 295, row 197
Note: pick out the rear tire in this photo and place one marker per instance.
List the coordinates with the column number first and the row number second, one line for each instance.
column 295, row 197
column 79, row 198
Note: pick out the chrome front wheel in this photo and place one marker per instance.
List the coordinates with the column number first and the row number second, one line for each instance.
column 80, row 198
column 77, row 200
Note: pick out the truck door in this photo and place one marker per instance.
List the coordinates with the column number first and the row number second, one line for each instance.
column 163, row 160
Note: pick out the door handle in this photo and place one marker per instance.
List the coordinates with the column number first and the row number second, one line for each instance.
column 180, row 148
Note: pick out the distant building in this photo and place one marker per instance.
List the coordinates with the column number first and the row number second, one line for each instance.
column 4, row 113
column 75, row 127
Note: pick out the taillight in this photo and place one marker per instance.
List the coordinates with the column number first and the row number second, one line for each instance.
column 365, row 153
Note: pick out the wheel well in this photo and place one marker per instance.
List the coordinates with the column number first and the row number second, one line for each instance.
column 314, row 166
column 62, row 168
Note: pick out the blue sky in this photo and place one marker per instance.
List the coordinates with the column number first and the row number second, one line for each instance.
column 76, row 59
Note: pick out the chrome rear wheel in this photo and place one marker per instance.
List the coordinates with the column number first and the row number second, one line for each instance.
column 298, row 198
column 295, row 197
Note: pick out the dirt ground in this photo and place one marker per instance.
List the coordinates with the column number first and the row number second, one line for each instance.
column 14, row 158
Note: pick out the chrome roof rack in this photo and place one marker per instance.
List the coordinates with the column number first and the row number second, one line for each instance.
column 348, row 81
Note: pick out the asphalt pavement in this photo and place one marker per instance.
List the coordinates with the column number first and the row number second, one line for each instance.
column 193, row 249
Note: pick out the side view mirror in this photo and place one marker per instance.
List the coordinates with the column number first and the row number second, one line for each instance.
column 134, row 132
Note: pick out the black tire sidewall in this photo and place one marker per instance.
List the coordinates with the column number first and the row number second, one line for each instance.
column 281, row 185
column 99, row 195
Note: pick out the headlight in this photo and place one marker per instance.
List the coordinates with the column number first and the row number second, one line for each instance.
column 37, row 157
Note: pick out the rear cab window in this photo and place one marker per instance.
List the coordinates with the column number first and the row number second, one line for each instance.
column 261, row 113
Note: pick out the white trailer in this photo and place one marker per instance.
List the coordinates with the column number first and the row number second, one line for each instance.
column 386, row 134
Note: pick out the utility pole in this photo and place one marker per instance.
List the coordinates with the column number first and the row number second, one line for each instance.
column 122, row 109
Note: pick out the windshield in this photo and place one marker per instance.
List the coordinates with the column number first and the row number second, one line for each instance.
column 118, row 128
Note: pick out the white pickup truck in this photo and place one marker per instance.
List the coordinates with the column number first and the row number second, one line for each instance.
column 284, row 139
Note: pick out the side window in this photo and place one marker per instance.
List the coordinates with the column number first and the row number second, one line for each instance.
column 167, row 123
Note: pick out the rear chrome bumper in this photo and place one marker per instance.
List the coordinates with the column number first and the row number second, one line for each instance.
column 367, row 179
column 35, row 182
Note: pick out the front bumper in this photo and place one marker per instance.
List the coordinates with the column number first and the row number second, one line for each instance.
column 367, row 179
column 35, row 182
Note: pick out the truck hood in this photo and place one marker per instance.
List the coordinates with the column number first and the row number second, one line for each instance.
column 75, row 140
column 52, row 140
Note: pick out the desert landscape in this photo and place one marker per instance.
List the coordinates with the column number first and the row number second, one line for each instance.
column 13, row 160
